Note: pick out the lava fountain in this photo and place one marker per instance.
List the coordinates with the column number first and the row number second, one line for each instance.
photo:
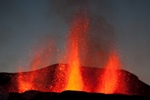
column 70, row 77
column 109, row 78
column 77, row 32
column 30, row 81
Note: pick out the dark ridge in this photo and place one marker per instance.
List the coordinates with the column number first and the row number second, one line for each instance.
column 46, row 76
column 38, row 95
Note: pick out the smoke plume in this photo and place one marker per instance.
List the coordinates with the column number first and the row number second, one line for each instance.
column 100, row 39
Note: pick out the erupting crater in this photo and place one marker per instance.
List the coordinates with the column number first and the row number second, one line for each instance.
column 71, row 77
column 74, row 76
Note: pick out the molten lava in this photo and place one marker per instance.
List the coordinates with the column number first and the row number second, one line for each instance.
column 77, row 33
column 70, row 77
column 29, row 82
column 25, row 83
column 109, row 77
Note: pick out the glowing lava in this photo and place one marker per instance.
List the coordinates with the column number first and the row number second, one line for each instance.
column 30, row 81
column 109, row 77
column 77, row 33
column 70, row 77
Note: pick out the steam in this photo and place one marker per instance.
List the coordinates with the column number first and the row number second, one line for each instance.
column 100, row 39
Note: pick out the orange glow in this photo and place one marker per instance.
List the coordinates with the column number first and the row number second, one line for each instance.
column 71, row 76
column 59, row 81
column 77, row 33
column 109, row 79
column 25, row 83
column 42, row 57
column 29, row 81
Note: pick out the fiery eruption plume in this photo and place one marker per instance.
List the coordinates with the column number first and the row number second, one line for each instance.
column 70, row 77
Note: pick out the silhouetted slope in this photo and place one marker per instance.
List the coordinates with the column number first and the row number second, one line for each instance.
column 69, row 95
column 45, row 77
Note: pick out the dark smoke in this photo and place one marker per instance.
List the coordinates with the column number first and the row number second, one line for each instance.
column 65, row 9
column 101, row 42
column 101, row 36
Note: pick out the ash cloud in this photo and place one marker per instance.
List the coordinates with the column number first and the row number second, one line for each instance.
column 101, row 33
column 66, row 8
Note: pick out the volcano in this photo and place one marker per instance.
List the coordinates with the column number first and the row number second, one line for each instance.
column 45, row 82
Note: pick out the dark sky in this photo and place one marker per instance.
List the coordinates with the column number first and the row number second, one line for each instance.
column 26, row 25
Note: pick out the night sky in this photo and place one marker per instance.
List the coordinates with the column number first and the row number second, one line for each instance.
column 27, row 25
